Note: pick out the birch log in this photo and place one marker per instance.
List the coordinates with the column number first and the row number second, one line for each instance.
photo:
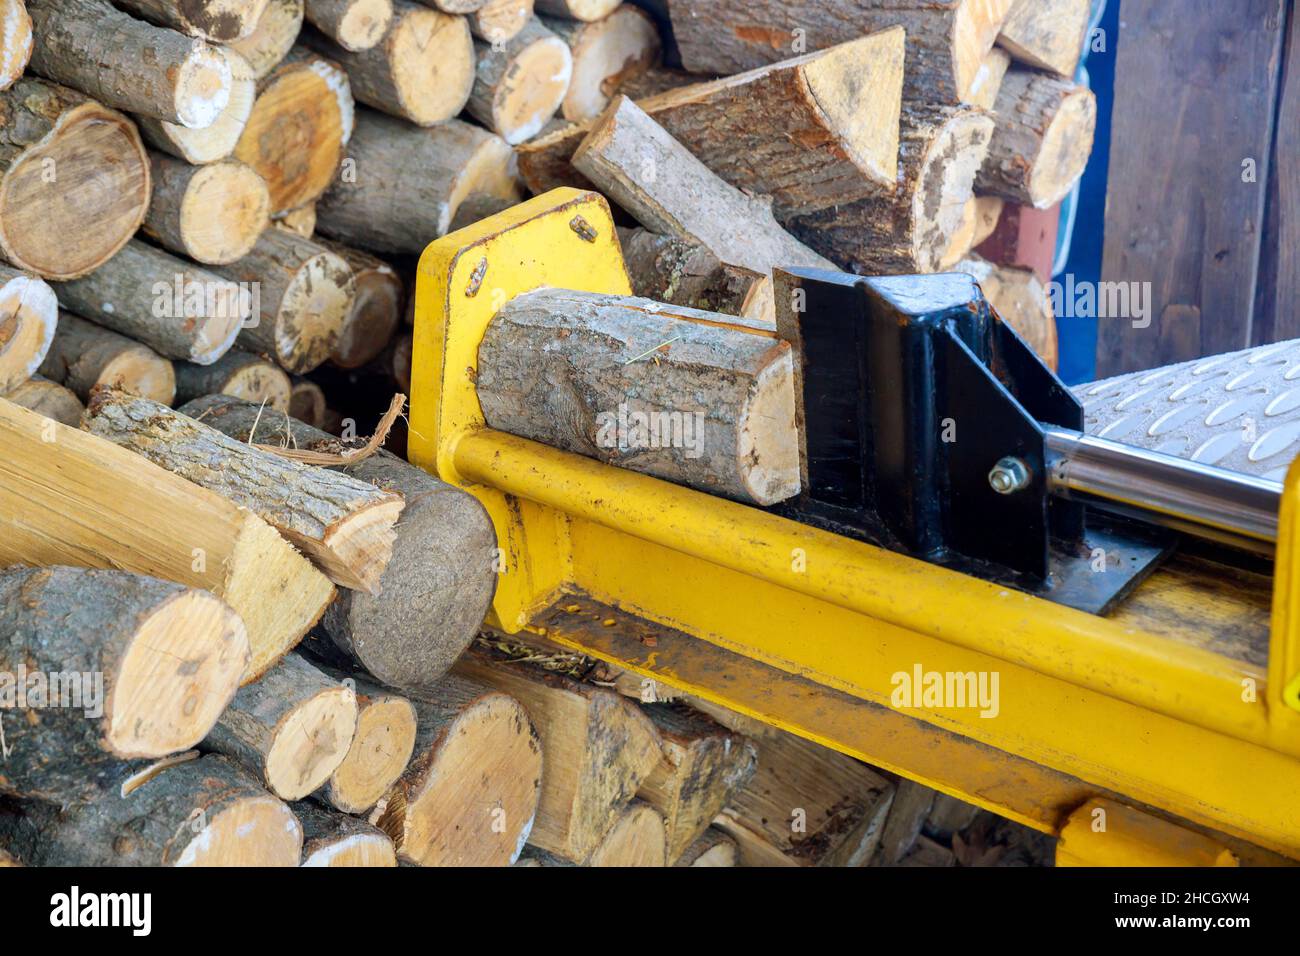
column 15, row 41
column 273, row 37
column 336, row 839
column 239, row 374
column 520, row 86
column 49, row 399
column 84, row 355
column 1048, row 34
column 220, row 21
column 216, row 141
column 355, row 25
column 213, row 214
column 29, row 314
column 605, row 54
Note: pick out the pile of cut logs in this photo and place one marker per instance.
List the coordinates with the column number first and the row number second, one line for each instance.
column 232, row 631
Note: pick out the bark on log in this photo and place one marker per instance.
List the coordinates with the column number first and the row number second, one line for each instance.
column 299, row 129
column 191, row 535
column 84, row 355
column 947, row 40
column 217, row 141
column 213, row 214
column 1048, row 34
column 696, row 398
column 470, row 795
column 176, row 308
column 204, row 812
column 437, row 587
column 579, row 9
column 422, row 70
column 307, row 401
column 239, row 374
column 355, row 25
column 15, row 41
column 273, row 37
column 98, row 192
column 1020, row 301
column 637, row 838
column 656, row 80
column 519, row 87
column 909, row 232
column 291, row 728
column 704, row 763
column 127, row 63
column 605, row 54
column 335, row 839
column 680, row 196
column 344, row 525
column 686, row 273
column 714, row 848
column 1043, row 139
column 499, row 21
column 596, row 746
column 220, row 21
column 29, row 315
column 130, row 668
column 406, row 183
column 373, row 314
column 49, row 399
column 303, row 291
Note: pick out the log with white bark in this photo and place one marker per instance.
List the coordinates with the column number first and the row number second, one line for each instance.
column 684, row 272
column 499, row 21
column 1048, row 34
column 83, row 501
column 697, row 398
column 303, row 292
column 127, row 63
column 178, row 309
column 29, row 314
column 299, row 129
column 521, row 83
column 68, row 167
column 469, row 796
column 199, row 812
column 355, row 25
column 47, row 398
column 374, row 313
column 605, row 54
column 15, row 41
column 165, row 660
column 1021, row 302
column 273, row 37
column 239, row 374
column 436, row 589
column 216, row 141
column 213, row 214
column 336, row 839
column 910, row 231
column 84, row 355
column 578, row 9
column 344, row 525
column 1043, row 139
column 405, row 183
column 422, row 70
column 220, row 21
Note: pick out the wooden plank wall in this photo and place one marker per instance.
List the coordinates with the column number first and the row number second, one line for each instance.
column 1277, row 306
column 1195, row 92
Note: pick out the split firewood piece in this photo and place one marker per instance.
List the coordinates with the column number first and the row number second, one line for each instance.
column 704, row 764
column 303, row 294
column 239, row 374
column 713, row 848
column 962, row 240
column 909, row 232
column 697, row 398
column 1044, row 135
column 220, row 21
column 300, row 221
column 406, row 183
column 298, row 130
column 1048, row 34
column 637, row 838
column 469, row 796
column 213, row 214
column 49, row 399
column 99, row 195
column 947, row 40
column 307, row 401
column 684, row 272
column 271, row 40
column 160, row 662
column 988, row 213
column 83, row 501
column 355, row 25
column 436, row 589
column 178, row 309
column 682, row 197
column 15, row 41
column 374, row 313
column 344, row 525
column 84, row 355
column 519, row 86
column 988, row 81
column 336, row 839
column 217, row 141
column 579, row 9
column 196, row 812
column 597, row 750
column 907, row 814
column 1020, row 301
column 381, row 747
column 129, row 64
column 29, row 314
column 605, row 54
column 949, row 816
column 499, row 21
column 290, row 728
column 422, row 70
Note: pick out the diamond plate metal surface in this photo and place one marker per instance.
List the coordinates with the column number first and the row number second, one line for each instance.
column 1239, row 411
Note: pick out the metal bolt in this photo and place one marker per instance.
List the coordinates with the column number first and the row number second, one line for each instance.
column 1009, row 476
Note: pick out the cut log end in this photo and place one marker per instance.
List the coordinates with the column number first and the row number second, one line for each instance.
column 532, row 90
column 976, row 27
column 358, row 548
column 499, row 21
column 224, row 211
column 49, row 399
column 202, row 87
column 250, row 831
column 362, row 25
column 310, row 743
column 272, row 37
column 357, row 849
column 312, row 312
column 768, row 449
column 637, row 838
column 15, row 41
column 431, row 58
column 605, row 54
column 216, row 141
column 1067, row 145
column 944, row 186
column 587, row 10
column 29, row 314
column 380, row 751
column 307, row 402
